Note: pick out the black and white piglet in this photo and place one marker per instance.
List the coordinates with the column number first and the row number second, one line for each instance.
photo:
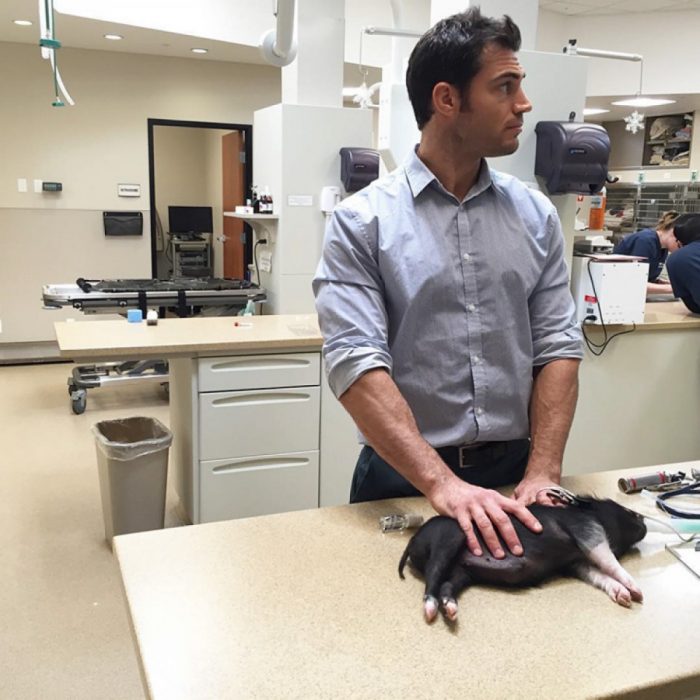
column 582, row 540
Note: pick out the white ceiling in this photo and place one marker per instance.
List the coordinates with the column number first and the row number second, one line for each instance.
column 82, row 33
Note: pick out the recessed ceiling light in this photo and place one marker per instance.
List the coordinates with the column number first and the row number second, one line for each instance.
column 199, row 50
column 643, row 102
column 22, row 22
column 590, row 111
column 114, row 37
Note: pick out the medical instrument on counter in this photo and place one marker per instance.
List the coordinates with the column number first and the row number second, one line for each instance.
column 692, row 489
column 567, row 497
column 634, row 484
column 399, row 522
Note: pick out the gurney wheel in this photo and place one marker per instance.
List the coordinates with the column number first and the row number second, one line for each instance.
column 78, row 401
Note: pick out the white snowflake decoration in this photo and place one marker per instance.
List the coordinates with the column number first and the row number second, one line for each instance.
column 634, row 122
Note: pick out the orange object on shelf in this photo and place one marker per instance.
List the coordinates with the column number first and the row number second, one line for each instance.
column 596, row 216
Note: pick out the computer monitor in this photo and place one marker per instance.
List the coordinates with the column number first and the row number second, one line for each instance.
column 190, row 220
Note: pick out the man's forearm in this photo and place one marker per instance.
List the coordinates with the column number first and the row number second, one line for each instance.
column 385, row 419
column 552, row 406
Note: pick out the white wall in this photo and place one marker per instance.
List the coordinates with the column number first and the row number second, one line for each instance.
column 90, row 148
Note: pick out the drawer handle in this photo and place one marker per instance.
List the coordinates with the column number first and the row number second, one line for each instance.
column 272, row 397
column 234, row 365
column 258, row 465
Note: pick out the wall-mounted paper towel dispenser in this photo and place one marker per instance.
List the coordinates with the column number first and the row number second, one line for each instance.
column 358, row 167
column 572, row 157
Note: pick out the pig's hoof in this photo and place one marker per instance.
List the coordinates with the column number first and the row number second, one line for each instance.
column 450, row 608
column 430, row 608
column 636, row 592
column 623, row 597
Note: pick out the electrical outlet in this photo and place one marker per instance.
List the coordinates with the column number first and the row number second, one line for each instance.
column 21, row 184
column 37, row 186
column 0, row 325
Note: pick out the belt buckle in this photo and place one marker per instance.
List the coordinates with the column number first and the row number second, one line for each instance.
column 464, row 451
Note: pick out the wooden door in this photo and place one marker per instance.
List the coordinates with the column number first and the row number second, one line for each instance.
column 233, row 181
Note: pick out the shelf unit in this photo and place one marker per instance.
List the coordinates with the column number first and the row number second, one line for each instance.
column 667, row 148
column 264, row 225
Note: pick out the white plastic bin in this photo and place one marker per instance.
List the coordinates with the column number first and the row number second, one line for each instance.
column 132, row 462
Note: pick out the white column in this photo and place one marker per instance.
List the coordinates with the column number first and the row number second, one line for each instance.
column 315, row 77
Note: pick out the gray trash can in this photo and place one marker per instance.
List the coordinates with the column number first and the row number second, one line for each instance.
column 132, row 462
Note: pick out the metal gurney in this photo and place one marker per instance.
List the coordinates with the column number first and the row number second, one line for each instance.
column 183, row 297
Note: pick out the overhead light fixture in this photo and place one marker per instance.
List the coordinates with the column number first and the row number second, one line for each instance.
column 643, row 102
column 114, row 37
column 590, row 111
column 22, row 22
column 199, row 50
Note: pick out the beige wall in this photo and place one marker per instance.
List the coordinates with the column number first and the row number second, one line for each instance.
column 90, row 148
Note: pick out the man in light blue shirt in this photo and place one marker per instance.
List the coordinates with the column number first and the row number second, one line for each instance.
column 442, row 295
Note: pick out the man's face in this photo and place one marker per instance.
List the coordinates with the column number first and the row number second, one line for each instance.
column 491, row 115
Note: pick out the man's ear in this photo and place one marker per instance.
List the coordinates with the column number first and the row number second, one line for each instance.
column 447, row 100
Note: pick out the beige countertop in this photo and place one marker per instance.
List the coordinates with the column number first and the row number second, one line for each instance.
column 310, row 605
column 115, row 339
column 172, row 337
column 663, row 316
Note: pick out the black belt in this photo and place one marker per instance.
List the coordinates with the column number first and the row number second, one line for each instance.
column 477, row 453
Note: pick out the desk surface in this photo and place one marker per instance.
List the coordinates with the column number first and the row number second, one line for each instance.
column 117, row 339
column 173, row 337
column 309, row 604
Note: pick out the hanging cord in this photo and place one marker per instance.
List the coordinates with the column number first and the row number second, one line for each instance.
column 49, row 44
column 262, row 241
column 599, row 348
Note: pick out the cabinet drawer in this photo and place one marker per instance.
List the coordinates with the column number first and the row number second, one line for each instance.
column 245, row 423
column 241, row 488
column 259, row 371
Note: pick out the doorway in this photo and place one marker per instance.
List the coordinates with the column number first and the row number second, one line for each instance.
column 198, row 171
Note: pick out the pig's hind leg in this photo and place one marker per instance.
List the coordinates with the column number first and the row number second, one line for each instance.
column 450, row 590
column 440, row 551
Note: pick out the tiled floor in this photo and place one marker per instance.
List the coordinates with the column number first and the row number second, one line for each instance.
column 64, row 630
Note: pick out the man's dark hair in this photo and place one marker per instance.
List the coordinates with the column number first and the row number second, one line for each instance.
column 686, row 228
column 451, row 52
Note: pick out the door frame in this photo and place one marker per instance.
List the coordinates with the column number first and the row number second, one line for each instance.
column 247, row 130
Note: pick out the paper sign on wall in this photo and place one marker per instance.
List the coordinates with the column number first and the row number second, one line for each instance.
column 124, row 190
column 266, row 261
column 300, row 200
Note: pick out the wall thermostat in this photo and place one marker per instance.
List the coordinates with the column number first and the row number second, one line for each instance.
column 52, row 186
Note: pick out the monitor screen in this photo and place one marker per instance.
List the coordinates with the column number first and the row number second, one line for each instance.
column 190, row 219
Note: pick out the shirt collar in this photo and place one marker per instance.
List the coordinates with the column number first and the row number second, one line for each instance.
column 419, row 176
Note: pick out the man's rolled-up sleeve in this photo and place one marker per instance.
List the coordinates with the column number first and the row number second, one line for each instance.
column 350, row 304
column 555, row 332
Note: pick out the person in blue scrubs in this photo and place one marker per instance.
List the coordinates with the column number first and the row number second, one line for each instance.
column 684, row 265
column 654, row 244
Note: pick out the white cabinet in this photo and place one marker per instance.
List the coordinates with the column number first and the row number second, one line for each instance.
column 253, row 443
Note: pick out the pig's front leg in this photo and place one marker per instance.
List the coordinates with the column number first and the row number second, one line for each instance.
column 617, row 592
column 602, row 557
column 593, row 542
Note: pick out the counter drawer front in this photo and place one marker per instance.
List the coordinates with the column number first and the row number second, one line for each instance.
column 259, row 371
column 245, row 423
column 241, row 488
